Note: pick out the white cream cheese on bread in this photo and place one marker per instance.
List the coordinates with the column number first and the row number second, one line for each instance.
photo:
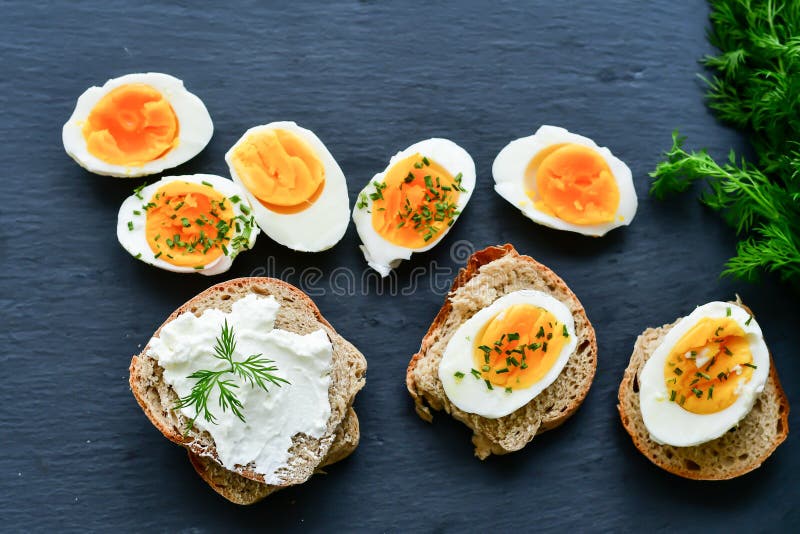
column 186, row 345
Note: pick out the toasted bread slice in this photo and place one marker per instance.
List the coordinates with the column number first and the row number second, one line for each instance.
column 488, row 275
column 740, row 450
column 297, row 314
column 241, row 490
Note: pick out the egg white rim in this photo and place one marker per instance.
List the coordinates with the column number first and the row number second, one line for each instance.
column 289, row 229
column 195, row 126
column 458, row 354
column 509, row 168
column 659, row 414
column 135, row 242
column 380, row 253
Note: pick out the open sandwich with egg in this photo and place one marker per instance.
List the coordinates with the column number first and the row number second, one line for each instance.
column 511, row 353
column 256, row 385
column 701, row 397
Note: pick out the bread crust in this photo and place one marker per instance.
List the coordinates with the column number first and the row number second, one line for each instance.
column 628, row 396
column 484, row 445
column 256, row 285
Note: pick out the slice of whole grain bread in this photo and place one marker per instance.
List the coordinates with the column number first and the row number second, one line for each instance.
column 489, row 274
column 740, row 450
column 241, row 490
column 298, row 314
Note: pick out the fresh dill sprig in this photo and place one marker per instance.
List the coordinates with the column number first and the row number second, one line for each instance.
column 756, row 87
column 254, row 370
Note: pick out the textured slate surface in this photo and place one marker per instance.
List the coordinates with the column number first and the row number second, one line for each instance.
column 370, row 78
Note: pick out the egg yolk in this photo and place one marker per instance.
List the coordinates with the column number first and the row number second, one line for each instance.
column 416, row 202
column 573, row 183
column 518, row 346
column 705, row 367
column 188, row 224
column 280, row 169
column 131, row 125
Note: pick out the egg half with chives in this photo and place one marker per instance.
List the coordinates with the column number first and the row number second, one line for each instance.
column 705, row 375
column 412, row 204
column 565, row 181
column 197, row 223
column 136, row 125
column 296, row 188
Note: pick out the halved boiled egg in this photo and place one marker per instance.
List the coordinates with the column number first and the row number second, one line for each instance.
column 196, row 223
column 565, row 181
column 705, row 375
column 135, row 125
column 296, row 188
column 411, row 205
column 507, row 353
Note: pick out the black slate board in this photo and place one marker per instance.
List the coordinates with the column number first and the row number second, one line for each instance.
column 369, row 78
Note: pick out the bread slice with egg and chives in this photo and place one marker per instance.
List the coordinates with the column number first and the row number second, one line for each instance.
column 739, row 451
column 489, row 274
column 297, row 314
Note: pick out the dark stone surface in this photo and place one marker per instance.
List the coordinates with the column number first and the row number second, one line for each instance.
column 369, row 78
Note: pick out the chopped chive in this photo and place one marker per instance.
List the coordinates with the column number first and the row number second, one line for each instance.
column 672, row 394
column 185, row 222
column 747, row 322
column 137, row 212
column 138, row 191
column 702, row 375
column 509, row 390
column 475, row 373
column 710, row 392
column 697, row 392
column 488, row 384
column 718, row 330
column 501, row 371
column 695, row 381
column 418, row 165
column 157, row 255
column 727, row 350
column 722, row 375
column 245, row 209
column 564, row 331
column 540, row 333
column 727, row 312
column 678, row 371
column 513, row 336
column 179, row 205
column 711, row 363
column 486, row 368
column 672, row 380
column 534, row 346
column 523, row 366
column 513, row 361
column 138, row 256
column 207, row 183
column 750, row 365
column 130, row 225
column 198, row 267
column 683, row 399
column 235, row 199
column 425, row 161
column 544, row 346
column 549, row 336
column 459, row 375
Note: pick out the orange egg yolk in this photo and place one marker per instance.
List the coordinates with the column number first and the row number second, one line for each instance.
column 518, row 346
column 280, row 169
column 573, row 183
column 416, row 202
column 188, row 224
column 131, row 125
column 707, row 364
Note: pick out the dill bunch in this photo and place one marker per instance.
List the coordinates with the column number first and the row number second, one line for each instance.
column 755, row 87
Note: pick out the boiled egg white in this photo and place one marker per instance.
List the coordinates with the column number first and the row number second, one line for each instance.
column 411, row 205
column 297, row 190
column 508, row 353
column 565, row 181
column 187, row 224
column 705, row 375
column 135, row 125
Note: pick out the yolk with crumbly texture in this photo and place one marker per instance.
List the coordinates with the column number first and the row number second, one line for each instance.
column 280, row 169
column 188, row 224
column 518, row 346
column 574, row 183
column 416, row 202
column 131, row 125
column 705, row 367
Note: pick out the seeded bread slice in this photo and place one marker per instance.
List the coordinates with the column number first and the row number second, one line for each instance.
column 241, row 490
column 740, row 450
column 489, row 274
column 297, row 313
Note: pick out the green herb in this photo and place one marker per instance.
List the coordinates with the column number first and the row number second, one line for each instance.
column 235, row 199
column 157, row 255
column 534, row 346
column 678, row 371
column 130, row 225
column 544, row 346
column 485, row 368
column 683, row 399
column 710, row 392
column 702, row 375
column 475, row 373
column 245, row 209
column 459, row 375
column 727, row 312
column 207, row 184
column 750, row 365
column 755, row 88
column 185, row 222
column 722, row 375
column 488, row 384
column 255, row 370
column 540, row 333
column 672, row 394
column 711, row 363
column 564, row 331
column 139, row 255
column 509, row 390
column 425, row 161
column 747, row 322
column 514, row 336
column 697, row 392
column 138, row 191
column 501, row 371
column 727, row 351
column 137, row 212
